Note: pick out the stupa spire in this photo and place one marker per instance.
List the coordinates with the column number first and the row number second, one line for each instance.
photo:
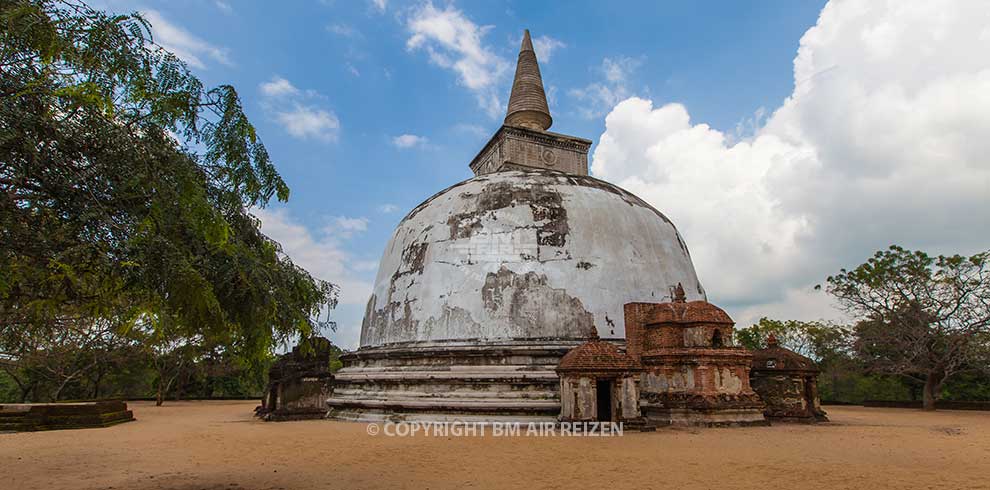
column 528, row 102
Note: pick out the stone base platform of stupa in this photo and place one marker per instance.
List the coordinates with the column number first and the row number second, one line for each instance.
column 504, row 381
column 29, row 417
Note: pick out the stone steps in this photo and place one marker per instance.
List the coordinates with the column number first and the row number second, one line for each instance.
column 510, row 381
column 452, row 403
column 464, row 394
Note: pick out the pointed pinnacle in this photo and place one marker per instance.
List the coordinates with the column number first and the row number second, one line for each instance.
column 528, row 102
column 527, row 43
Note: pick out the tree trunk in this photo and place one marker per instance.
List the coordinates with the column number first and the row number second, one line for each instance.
column 163, row 390
column 23, row 386
column 179, row 388
column 96, row 385
column 835, row 384
column 931, row 393
column 160, row 394
column 58, row 393
column 26, row 392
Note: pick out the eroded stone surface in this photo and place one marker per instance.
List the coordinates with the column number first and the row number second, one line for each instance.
column 524, row 254
column 526, row 302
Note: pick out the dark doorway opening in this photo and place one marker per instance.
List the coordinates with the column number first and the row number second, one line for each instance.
column 809, row 396
column 604, row 389
column 717, row 339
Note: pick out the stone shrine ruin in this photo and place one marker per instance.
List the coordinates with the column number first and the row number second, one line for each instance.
column 299, row 383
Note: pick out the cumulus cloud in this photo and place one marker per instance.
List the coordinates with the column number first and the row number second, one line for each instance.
column 305, row 122
column 278, row 87
column 405, row 141
column 324, row 258
column 387, row 208
column 598, row 97
column 183, row 44
column 297, row 111
column 454, row 42
column 380, row 5
column 545, row 46
column 882, row 141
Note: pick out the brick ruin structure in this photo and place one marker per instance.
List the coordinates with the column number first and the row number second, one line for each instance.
column 693, row 374
column 680, row 367
column 788, row 384
column 299, row 383
column 598, row 382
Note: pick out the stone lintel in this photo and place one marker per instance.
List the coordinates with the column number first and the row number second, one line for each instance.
column 515, row 148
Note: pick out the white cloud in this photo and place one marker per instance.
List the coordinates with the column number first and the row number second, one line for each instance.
column 278, row 87
column 352, row 69
column 455, row 43
column 306, row 122
column 342, row 30
column 618, row 70
column 472, row 129
column 882, row 141
column 325, row 259
column 552, row 96
column 545, row 46
column 184, row 44
column 297, row 111
column 380, row 5
column 224, row 7
column 346, row 227
column 366, row 265
column 598, row 97
column 387, row 208
column 405, row 141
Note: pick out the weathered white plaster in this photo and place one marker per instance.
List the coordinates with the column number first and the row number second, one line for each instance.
column 726, row 381
column 663, row 381
column 517, row 255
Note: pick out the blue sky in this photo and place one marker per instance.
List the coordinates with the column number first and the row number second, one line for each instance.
column 369, row 107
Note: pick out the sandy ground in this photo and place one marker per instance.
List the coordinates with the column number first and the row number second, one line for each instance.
column 218, row 445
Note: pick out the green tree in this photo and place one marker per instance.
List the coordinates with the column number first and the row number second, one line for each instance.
column 109, row 215
column 818, row 340
column 925, row 318
column 828, row 344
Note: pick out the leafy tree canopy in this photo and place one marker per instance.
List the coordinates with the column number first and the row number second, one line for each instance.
column 108, row 213
column 815, row 339
column 923, row 317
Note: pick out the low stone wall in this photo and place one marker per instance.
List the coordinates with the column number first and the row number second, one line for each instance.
column 841, row 403
column 22, row 417
column 940, row 405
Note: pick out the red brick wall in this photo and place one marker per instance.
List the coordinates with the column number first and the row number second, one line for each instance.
column 635, row 316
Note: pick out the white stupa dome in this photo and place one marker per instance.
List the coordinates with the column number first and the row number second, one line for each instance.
column 524, row 255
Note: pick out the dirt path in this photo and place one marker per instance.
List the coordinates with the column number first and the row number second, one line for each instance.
column 218, row 445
